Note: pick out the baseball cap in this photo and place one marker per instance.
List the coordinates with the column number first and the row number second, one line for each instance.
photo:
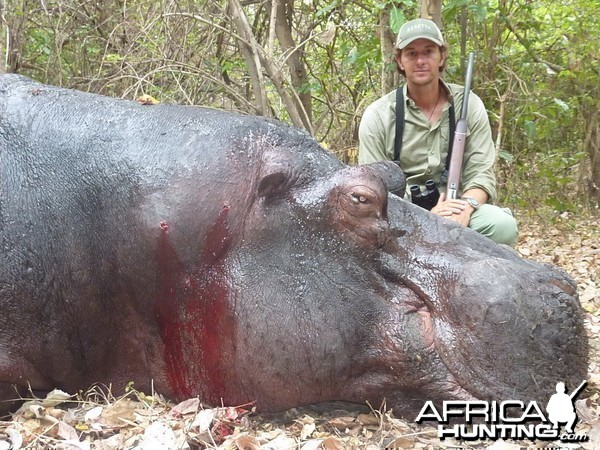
column 419, row 29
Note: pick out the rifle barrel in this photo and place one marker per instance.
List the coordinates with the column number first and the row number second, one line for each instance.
column 468, row 81
column 576, row 391
column 460, row 137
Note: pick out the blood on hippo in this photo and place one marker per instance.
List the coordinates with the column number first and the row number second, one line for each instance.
column 193, row 313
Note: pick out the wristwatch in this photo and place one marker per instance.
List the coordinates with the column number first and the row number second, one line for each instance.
column 471, row 201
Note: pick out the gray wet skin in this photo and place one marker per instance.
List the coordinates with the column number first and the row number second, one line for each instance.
column 232, row 258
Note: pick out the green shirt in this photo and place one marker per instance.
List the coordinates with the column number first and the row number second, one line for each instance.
column 425, row 145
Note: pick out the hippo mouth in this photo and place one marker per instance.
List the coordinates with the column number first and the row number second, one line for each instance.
column 419, row 341
column 445, row 382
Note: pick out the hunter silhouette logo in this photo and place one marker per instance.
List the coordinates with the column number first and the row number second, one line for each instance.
column 510, row 419
column 561, row 408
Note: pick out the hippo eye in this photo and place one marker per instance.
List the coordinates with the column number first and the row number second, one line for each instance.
column 362, row 196
column 357, row 198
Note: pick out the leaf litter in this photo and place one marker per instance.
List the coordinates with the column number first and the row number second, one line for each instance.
column 137, row 421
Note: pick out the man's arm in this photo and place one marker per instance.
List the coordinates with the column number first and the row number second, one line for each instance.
column 376, row 132
column 480, row 152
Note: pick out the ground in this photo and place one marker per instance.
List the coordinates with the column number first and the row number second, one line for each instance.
column 140, row 421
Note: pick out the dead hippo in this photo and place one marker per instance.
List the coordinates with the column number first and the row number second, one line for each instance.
column 232, row 258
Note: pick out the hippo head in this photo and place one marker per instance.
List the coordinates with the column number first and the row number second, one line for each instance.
column 365, row 296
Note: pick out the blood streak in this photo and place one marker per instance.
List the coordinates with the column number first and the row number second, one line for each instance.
column 194, row 315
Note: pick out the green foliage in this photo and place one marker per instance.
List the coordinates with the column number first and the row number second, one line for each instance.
column 528, row 54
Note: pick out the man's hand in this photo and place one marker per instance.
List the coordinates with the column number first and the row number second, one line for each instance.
column 457, row 210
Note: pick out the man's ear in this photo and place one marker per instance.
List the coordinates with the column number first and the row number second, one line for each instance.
column 442, row 59
column 397, row 59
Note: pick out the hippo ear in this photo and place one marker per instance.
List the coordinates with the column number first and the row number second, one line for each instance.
column 273, row 184
column 392, row 176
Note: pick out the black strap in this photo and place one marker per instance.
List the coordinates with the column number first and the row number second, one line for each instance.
column 400, row 127
column 399, row 124
column 451, row 137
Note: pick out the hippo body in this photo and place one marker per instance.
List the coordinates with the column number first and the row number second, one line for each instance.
column 229, row 257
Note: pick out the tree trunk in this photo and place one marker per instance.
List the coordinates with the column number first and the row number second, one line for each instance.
column 592, row 147
column 389, row 74
column 431, row 9
column 3, row 31
column 281, row 11
column 12, row 29
column 250, row 51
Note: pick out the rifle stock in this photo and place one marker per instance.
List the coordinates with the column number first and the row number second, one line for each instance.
column 460, row 138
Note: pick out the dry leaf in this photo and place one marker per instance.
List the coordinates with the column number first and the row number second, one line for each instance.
column 119, row 413
column 585, row 411
column 341, row 423
column 307, row 430
column 186, row 407
column 246, row 442
column 93, row 414
column 158, row 435
column 203, row 420
column 55, row 397
column 16, row 440
column 369, row 420
column 313, row 444
column 281, row 442
column 332, row 443
column 66, row 431
column 401, row 442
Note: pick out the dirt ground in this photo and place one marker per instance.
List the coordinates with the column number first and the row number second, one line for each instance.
column 139, row 421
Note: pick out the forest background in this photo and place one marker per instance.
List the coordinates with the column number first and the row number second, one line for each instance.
column 318, row 63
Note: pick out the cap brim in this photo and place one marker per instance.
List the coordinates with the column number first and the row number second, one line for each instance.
column 413, row 39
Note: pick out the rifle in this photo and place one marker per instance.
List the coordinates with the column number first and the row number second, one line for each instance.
column 460, row 137
column 576, row 391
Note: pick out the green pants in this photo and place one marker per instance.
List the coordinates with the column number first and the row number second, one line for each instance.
column 496, row 223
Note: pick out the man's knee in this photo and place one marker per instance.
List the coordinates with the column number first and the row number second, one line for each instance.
column 506, row 230
column 498, row 224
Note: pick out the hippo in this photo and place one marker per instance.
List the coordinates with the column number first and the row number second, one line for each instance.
column 210, row 254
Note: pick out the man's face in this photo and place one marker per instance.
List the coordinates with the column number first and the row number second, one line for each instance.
column 421, row 60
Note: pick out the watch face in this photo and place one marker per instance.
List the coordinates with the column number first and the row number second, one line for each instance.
column 471, row 201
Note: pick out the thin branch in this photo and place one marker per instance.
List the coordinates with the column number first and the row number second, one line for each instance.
column 527, row 45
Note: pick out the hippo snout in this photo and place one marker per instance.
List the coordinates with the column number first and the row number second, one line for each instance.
column 520, row 327
column 484, row 323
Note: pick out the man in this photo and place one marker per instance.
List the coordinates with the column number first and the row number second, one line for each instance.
column 560, row 408
column 420, row 55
